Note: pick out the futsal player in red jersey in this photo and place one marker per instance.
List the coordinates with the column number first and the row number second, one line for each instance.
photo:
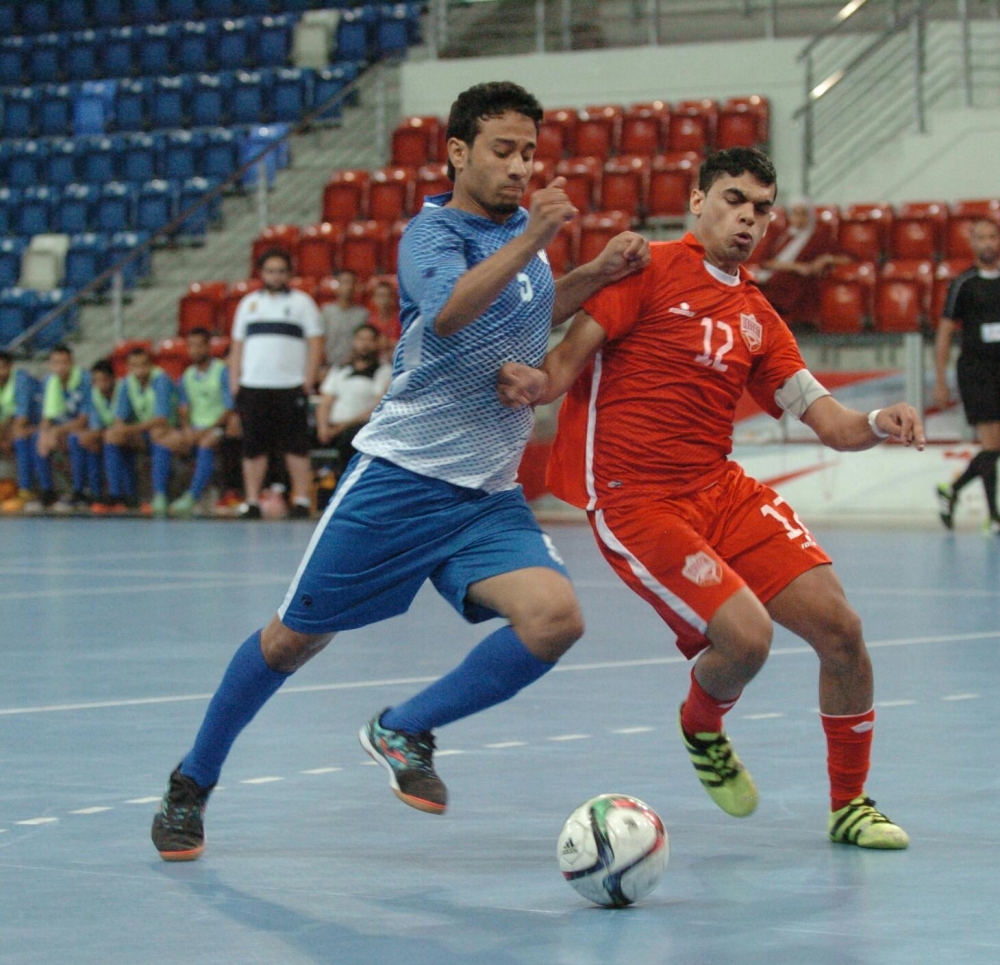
column 655, row 365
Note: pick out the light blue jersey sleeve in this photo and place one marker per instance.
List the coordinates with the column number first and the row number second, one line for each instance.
column 227, row 392
column 124, row 410
column 432, row 259
column 165, row 394
column 26, row 396
column 182, row 396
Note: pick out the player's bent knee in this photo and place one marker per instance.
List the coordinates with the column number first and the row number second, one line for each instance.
column 286, row 650
column 550, row 633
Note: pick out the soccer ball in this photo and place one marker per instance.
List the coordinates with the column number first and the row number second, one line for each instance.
column 613, row 850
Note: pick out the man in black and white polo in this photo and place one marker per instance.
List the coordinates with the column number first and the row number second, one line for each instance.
column 277, row 346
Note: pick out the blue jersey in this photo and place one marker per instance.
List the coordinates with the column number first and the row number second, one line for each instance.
column 159, row 398
column 21, row 397
column 441, row 416
column 63, row 402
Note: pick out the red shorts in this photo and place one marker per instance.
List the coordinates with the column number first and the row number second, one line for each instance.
column 687, row 555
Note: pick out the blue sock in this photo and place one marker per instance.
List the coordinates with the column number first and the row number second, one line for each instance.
column 496, row 669
column 25, row 462
column 94, row 474
column 130, row 478
column 43, row 468
column 161, row 469
column 204, row 467
column 77, row 464
column 246, row 686
column 114, row 467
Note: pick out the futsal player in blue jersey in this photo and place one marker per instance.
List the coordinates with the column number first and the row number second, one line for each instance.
column 20, row 413
column 431, row 493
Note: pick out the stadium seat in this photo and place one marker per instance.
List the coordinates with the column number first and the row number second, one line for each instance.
column 141, row 157
column 169, row 102
column 291, row 93
column 642, row 127
column 671, row 178
column 58, row 329
column 179, row 9
column 902, row 296
column 363, row 248
column 691, row 127
column 171, row 355
column 918, row 230
column 431, row 179
column 390, row 192
column 154, row 45
column 13, row 60
column 597, row 229
column 181, row 156
column 74, row 213
column 45, row 61
column 274, row 41
column 221, row 155
column 251, row 103
column 18, row 308
column 583, row 180
column 235, row 45
column 118, row 51
column 93, row 107
column 201, row 307
column 326, row 290
column 598, row 131
column 156, row 205
column 234, row 295
column 36, row 16
column 196, row 224
column 11, row 250
column 283, row 236
column 25, row 163
column 61, row 166
column 85, row 55
column 110, row 13
column 945, row 272
column 352, row 35
column 124, row 244
column 119, row 354
column 393, row 30
column 115, row 206
column 542, row 171
column 312, row 38
column 845, row 298
column 20, row 105
column 99, row 159
column 34, row 215
column 345, row 195
column 219, row 8
column 863, row 232
column 210, row 95
column 556, row 134
column 43, row 265
column 132, row 103
column 55, row 110
column 415, row 141
column 86, row 259
column 743, row 121
column 194, row 50
column 73, row 14
column 10, row 201
column 319, row 247
column 625, row 186
column 563, row 249
column 303, row 283
column 963, row 215
column 219, row 346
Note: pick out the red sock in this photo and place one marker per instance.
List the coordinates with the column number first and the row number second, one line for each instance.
column 702, row 713
column 848, row 755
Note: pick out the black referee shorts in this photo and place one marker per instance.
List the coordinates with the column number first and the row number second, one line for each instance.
column 979, row 386
column 274, row 420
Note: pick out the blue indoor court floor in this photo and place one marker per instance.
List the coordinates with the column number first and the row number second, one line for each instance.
column 113, row 634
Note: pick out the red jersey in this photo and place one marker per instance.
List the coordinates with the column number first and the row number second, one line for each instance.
column 653, row 413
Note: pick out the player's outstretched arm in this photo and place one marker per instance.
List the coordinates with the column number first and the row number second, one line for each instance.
column 519, row 384
column 847, row 430
column 623, row 255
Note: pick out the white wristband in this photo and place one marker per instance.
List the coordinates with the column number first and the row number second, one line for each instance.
column 876, row 431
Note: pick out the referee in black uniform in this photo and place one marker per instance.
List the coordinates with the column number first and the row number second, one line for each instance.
column 974, row 305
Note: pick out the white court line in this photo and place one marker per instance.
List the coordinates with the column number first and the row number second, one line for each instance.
column 961, row 697
column 34, row 821
column 894, row 703
column 145, row 800
column 502, row 744
column 321, row 770
column 569, row 737
column 157, row 574
column 771, row 716
column 230, row 583
column 560, row 668
column 633, row 730
column 261, row 780
column 94, row 810
column 450, row 753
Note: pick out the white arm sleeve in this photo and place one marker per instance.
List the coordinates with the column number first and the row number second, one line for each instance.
column 799, row 392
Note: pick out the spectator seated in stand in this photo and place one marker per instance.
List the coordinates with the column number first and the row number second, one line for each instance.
column 20, row 413
column 101, row 407
column 803, row 252
column 340, row 319
column 384, row 317
column 349, row 395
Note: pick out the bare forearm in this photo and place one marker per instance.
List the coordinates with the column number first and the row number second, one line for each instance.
column 574, row 289
column 942, row 348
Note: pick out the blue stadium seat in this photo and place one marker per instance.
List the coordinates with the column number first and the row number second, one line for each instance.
column 192, row 191
column 86, row 258
column 256, row 6
column 179, row 9
column 35, row 16
column 353, row 33
column 11, row 250
column 24, row 162
column 94, row 107
column 13, row 58
column 142, row 157
column 182, row 152
column 392, row 34
column 118, row 52
column 274, row 42
column 143, row 11
column 326, row 84
column 220, row 8
column 156, row 206
column 8, row 20
column 292, row 93
column 170, row 101
column 101, row 159
column 256, row 143
column 10, row 201
column 55, row 108
column 17, row 312
column 222, row 153
column 195, row 49
column 34, row 215
column 20, row 105
column 63, row 158
column 73, row 14
column 122, row 244
column 251, row 97
column 115, row 207
column 236, row 44
column 84, row 53
column 210, row 99
column 155, row 47
column 132, row 104
column 45, row 60
column 75, row 210
column 109, row 13
column 59, row 328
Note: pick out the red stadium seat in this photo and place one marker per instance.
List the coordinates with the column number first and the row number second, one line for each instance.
column 876, row 215
column 597, row 229
column 846, row 298
column 233, row 297
column 344, row 196
column 431, row 179
column 201, row 307
column 583, row 180
column 415, row 141
column 563, row 250
column 860, row 238
column 303, row 283
column 392, row 246
column 935, row 211
column 319, row 246
column 283, row 236
column 555, row 134
column 671, row 178
column 688, row 131
column 219, row 346
column 964, row 214
column 642, row 130
column 363, row 249
column 119, row 354
column 172, row 356
column 326, row 290
column 779, row 222
column 598, row 131
column 625, row 186
column 918, row 230
column 389, row 193
column 759, row 107
column 828, row 218
column 542, row 171
column 902, row 296
column 944, row 274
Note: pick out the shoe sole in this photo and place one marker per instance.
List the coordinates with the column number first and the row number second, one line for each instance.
column 191, row 855
column 428, row 807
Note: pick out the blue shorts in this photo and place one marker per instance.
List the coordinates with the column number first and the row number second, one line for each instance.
column 387, row 530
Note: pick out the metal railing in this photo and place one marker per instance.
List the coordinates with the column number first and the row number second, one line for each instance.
column 114, row 276
column 862, row 91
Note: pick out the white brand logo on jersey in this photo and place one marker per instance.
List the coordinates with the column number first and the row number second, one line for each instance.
column 544, row 255
column 702, row 570
column 751, row 331
column 683, row 309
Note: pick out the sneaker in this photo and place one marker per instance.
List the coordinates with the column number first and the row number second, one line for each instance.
column 298, row 511
column 183, row 505
column 34, row 506
column 861, row 823
column 178, row 827
column 947, row 498
column 407, row 758
column 721, row 772
column 158, row 507
column 63, row 505
column 79, row 502
column 993, row 527
column 249, row 511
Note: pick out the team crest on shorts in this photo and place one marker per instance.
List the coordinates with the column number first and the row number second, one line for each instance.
column 751, row 331
column 702, row 570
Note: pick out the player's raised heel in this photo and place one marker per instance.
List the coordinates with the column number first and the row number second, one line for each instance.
column 861, row 823
column 946, row 499
column 178, row 827
column 409, row 760
column 721, row 772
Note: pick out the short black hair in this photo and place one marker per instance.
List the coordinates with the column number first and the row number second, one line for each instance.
column 5, row 356
column 735, row 161
column 105, row 366
column 275, row 253
column 139, row 350
column 203, row 332
column 493, row 99
column 371, row 328
column 60, row 349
